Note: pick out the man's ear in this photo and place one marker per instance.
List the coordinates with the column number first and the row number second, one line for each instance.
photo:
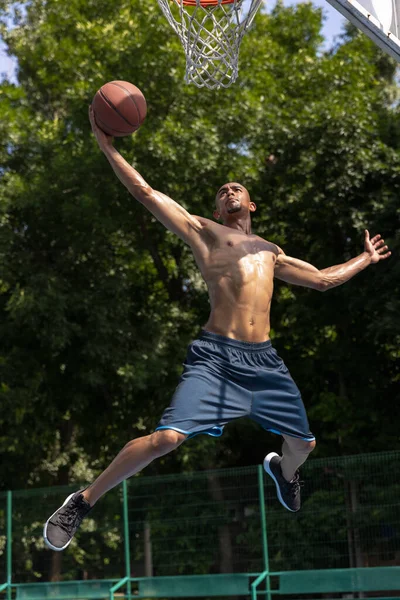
column 216, row 215
column 252, row 207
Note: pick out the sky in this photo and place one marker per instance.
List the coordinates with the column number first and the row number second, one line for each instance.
column 332, row 27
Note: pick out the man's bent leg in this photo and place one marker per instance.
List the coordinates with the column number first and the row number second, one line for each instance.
column 133, row 457
column 284, row 471
column 295, row 452
column 60, row 528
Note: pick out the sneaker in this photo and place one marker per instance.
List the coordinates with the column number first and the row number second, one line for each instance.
column 61, row 527
column 288, row 491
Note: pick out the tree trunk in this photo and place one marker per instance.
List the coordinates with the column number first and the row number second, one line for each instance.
column 55, row 566
column 224, row 534
column 66, row 434
column 148, row 555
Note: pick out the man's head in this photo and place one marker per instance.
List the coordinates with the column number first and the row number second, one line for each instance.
column 233, row 202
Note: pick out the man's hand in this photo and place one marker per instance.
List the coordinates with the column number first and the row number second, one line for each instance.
column 105, row 141
column 375, row 248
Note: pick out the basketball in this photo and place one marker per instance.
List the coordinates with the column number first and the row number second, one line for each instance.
column 119, row 108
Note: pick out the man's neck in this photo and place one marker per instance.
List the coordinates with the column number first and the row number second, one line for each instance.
column 243, row 225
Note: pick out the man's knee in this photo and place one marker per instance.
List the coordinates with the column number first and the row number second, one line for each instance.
column 299, row 446
column 309, row 446
column 166, row 440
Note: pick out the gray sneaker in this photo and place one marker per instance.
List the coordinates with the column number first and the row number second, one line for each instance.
column 61, row 527
column 288, row 491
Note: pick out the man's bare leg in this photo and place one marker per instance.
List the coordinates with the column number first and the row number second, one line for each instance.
column 60, row 528
column 133, row 457
column 295, row 452
column 284, row 471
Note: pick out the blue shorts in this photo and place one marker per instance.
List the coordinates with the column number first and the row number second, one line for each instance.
column 225, row 379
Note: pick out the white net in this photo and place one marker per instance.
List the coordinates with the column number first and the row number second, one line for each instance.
column 211, row 32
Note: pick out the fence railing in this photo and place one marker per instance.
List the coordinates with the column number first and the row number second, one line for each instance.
column 222, row 521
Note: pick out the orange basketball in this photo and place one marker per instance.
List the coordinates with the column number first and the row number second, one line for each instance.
column 119, row 108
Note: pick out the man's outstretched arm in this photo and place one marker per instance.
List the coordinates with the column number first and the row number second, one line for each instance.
column 171, row 214
column 302, row 273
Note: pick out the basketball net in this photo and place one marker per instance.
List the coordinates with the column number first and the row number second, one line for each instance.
column 211, row 32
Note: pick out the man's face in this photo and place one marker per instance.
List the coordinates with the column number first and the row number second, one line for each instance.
column 232, row 198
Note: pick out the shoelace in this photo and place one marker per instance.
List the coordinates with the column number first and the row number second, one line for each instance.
column 71, row 517
column 295, row 485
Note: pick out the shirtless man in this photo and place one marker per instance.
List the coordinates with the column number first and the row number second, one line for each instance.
column 231, row 370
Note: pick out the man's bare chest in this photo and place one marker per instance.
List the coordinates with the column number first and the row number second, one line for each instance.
column 241, row 257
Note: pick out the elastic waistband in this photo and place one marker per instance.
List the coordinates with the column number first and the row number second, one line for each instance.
column 221, row 339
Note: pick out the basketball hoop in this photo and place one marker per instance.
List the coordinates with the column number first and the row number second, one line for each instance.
column 211, row 32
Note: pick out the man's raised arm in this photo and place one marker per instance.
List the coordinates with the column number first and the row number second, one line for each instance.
column 302, row 273
column 171, row 214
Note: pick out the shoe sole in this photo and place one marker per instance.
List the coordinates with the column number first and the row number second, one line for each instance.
column 49, row 544
column 267, row 460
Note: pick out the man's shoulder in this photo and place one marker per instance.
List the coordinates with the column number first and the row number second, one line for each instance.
column 209, row 226
column 204, row 221
column 271, row 246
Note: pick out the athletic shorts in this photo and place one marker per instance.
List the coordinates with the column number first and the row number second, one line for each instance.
column 225, row 379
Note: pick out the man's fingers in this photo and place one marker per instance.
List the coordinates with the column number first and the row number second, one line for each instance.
column 91, row 116
column 379, row 245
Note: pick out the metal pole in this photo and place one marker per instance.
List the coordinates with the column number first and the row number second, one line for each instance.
column 9, row 544
column 264, row 529
column 126, row 538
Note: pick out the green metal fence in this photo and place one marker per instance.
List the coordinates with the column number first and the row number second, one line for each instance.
column 225, row 521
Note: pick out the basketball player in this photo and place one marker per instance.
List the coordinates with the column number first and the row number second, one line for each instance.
column 231, row 370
